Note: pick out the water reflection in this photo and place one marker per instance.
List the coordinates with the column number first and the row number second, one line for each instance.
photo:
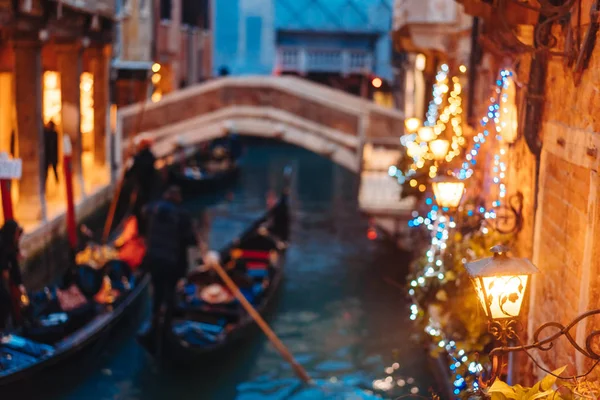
column 336, row 313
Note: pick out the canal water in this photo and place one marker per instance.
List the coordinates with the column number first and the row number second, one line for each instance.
column 337, row 311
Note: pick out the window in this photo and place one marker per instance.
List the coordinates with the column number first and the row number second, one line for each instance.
column 165, row 9
column 195, row 13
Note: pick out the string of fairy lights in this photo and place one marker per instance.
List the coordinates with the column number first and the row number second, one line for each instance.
column 449, row 120
column 492, row 124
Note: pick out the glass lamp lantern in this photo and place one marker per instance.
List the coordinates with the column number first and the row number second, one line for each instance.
column 500, row 282
column 448, row 190
column 412, row 125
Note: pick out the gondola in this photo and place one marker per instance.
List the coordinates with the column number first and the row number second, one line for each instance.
column 206, row 172
column 64, row 320
column 202, row 327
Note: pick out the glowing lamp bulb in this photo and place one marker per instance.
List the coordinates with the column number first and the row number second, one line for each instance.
column 439, row 148
column 155, row 67
column 412, row 125
column 500, row 282
column 376, row 82
column 426, row 133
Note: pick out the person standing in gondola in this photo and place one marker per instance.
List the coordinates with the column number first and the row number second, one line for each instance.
column 144, row 177
column 12, row 290
column 170, row 233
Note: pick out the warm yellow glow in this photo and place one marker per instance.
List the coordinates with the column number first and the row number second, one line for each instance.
column 426, row 133
column 86, row 89
column 413, row 183
column 414, row 150
column 439, row 148
column 155, row 67
column 420, row 62
column 509, row 130
column 52, row 105
column 156, row 96
column 504, row 295
column 448, row 193
column 155, row 78
column 422, row 188
column 113, row 118
column 412, row 124
column 376, row 82
column 462, row 69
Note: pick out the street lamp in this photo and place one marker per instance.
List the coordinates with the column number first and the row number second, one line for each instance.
column 500, row 282
column 439, row 148
column 412, row 125
column 426, row 133
column 448, row 190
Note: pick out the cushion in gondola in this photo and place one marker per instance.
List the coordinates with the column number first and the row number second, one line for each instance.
column 89, row 280
column 26, row 346
column 255, row 254
column 258, row 273
column 119, row 274
column 71, row 298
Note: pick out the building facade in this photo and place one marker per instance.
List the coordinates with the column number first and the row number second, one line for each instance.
column 132, row 57
column 183, row 45
column 54, row 66
column 538, row 62
column 342, row 43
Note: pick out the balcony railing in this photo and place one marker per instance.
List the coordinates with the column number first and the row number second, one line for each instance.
column 101, row 7
column 424, row 12
column 303, row 60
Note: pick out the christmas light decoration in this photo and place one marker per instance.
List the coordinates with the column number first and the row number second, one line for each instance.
column 500, row 117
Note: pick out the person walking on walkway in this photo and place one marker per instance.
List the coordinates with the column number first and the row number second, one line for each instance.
column 51, row 149
column 170, row 233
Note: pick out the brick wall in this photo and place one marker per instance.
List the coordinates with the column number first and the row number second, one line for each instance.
column 565, row 248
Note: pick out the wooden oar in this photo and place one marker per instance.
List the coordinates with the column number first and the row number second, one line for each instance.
column 113, row 209
column 285, row 353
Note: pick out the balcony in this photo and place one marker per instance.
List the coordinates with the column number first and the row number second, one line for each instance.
column 425, row 25
column 304, row 60
column 106, row 8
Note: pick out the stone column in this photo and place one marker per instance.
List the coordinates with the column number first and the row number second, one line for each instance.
column 69, row 56
column 28, row 103
column 100, row 69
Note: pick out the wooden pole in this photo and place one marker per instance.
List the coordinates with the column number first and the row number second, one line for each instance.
column 113, row 208
column 68, row 170
column 285, row 353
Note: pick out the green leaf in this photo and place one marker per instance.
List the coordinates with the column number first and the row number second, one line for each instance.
column 503, row 389
column 550, row 380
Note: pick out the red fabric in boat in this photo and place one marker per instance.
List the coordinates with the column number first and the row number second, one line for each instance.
column 256, row 265
column 133, row 250
column 260, row 255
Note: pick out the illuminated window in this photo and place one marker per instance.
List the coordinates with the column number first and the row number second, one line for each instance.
column 86, row 88
column 420, row 62
column 51, row 107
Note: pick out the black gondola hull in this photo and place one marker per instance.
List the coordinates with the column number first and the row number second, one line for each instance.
column 209, row 183
column 73, row 347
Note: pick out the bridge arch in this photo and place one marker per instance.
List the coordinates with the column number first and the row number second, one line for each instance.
column 318, row 118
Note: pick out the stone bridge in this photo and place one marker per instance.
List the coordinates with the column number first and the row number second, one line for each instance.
column 318, row 118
